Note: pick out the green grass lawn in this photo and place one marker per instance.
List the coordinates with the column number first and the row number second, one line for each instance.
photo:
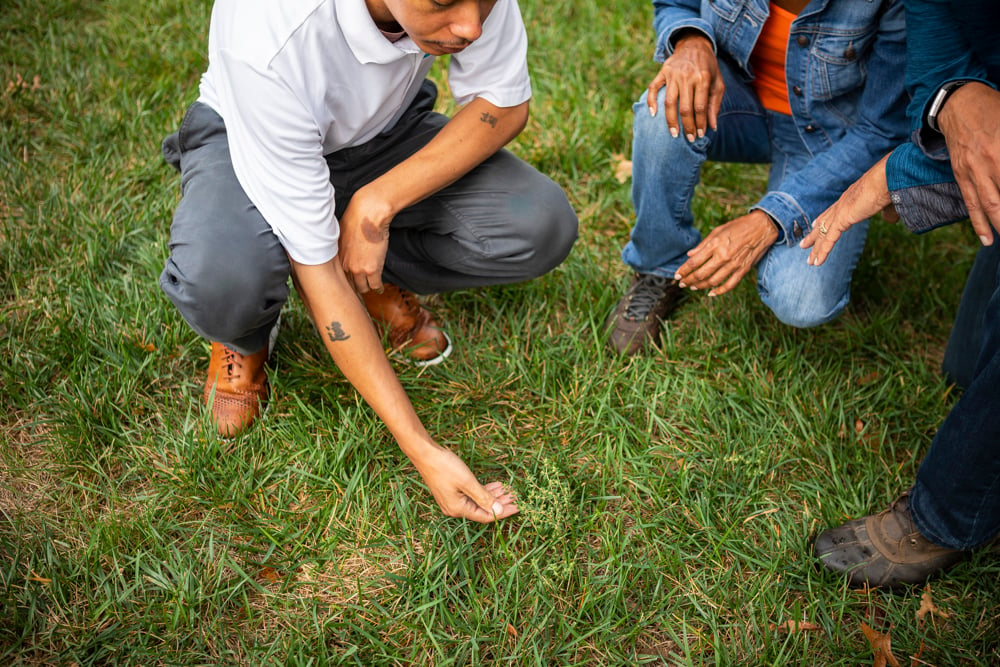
column 667, row 501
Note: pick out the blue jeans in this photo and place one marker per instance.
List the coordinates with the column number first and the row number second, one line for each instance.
column 665, row 171
column 955, row 501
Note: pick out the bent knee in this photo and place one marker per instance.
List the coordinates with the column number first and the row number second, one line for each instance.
column 559, row 226
column 224, row 300
column 806, row 312
column 548, row 227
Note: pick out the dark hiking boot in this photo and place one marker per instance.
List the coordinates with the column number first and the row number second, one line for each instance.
column 635, row 323
column 883, row 549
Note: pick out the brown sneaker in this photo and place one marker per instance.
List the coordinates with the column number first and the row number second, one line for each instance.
column 636, row 320
column 410, row 327
column 883, row 549
column 236, row 388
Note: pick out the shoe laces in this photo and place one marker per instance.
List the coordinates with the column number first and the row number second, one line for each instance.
column 409, row 300
column 645, row 294
column 899, row 514
column 233, row 362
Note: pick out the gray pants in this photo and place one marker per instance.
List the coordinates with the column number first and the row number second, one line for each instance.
column 227, row 273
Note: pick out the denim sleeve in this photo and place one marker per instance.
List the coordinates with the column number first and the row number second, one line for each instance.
column 880, row 127
column 669, row 16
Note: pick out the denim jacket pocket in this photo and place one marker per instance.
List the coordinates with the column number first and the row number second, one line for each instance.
column 736, row 24
column 839, row 63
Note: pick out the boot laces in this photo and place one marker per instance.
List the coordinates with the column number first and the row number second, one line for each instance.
column 646, row 293
column 408, row 299
column 233, row 362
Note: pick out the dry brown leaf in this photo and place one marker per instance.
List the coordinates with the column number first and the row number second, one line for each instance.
column 791, row 626
column 869, row 378
column 927, row 606
column 881, row 646
column 512, row 631
column 623, row 168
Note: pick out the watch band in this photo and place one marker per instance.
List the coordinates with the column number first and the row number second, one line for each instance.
column 940, row 97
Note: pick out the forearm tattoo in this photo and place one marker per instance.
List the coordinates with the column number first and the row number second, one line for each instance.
column 335, row 332
column 489, row 118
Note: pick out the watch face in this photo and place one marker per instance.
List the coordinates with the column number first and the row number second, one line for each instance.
column 939, row 99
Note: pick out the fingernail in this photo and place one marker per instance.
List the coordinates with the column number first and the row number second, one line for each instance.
column 701, row 133
column 677, row 276
column 674, row 132
column 690, row 138
column 693, row 288
column 984, row 240
column 497, row 508
column 681, row 284
column 652, row 111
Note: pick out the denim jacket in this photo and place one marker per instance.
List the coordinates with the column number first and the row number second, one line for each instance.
column 845, row 72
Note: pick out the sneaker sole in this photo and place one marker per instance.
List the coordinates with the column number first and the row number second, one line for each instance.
column 433, row 361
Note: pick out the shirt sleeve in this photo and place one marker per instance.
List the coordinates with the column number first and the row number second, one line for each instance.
column 923, row 191
column 937, row 52
column 919, row 175
column 277, row 154
column 495, row 66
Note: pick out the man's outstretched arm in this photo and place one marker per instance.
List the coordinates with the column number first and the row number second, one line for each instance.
column 350, row 338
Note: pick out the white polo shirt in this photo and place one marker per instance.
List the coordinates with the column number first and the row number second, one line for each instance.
column 297, row 79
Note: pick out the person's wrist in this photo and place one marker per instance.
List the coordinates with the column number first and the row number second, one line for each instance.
column 690, row 37
column 376, row 204
column 418, row 446
column 951, row 105
column 769, row 226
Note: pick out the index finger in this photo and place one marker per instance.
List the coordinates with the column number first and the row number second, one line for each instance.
column 356, row 281
column 653, row 90
column 374, row 282
column 822, row 239
column 980, row 214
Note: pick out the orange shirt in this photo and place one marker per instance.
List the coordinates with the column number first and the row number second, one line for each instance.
column 768, row 60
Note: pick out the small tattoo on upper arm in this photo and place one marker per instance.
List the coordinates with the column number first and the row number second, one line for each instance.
column 335, row 332
column 487, row 117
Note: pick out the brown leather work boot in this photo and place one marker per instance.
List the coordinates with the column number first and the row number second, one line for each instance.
column 410, row 327
column 236, row 388
column 883, row 549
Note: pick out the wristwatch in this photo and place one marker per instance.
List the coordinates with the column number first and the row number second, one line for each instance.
column 940, row 97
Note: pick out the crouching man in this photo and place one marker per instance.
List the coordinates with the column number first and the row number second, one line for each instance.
column 313, row 152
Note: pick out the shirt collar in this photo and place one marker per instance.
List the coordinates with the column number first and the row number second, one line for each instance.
column 365, row 40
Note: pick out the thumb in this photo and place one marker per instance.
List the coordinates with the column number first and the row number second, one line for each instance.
column 485, row 500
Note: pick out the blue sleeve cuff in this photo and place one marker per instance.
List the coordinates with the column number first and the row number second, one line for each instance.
column 923, row 190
